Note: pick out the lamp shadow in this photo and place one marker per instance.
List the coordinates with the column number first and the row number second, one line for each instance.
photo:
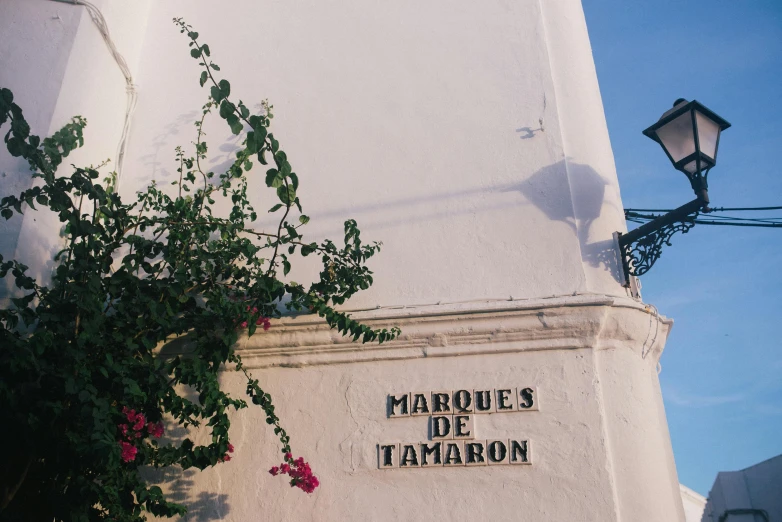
column 585, row 190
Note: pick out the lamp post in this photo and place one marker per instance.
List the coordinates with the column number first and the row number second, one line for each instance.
column 689, row 134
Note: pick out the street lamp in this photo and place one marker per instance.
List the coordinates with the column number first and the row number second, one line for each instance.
column 689, row 134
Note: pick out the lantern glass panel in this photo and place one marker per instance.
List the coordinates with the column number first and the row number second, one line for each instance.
column 708, row 133
column 692, row 167
column 677, row 137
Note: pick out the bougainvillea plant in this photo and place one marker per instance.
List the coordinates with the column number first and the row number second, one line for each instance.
column 85, row 391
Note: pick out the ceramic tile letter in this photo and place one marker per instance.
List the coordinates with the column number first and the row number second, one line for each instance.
column 419, row 403
column 528, row 399
column 506, row 399
column 462, row 401
column 441, row 402
column 388, row 455
column 431, row 454
column 497, row 452
column 408, row 456
column 475, row 453
column 484, row 400
column 453, row 453
column 441, row 427
column 463, row 427
column 519, row 452
column 399, row 405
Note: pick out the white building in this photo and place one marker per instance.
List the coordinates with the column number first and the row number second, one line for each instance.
column 470, row 138
column 694, row 504
column 748, row 495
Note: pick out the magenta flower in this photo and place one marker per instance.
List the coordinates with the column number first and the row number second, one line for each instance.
column 128, row 451
column 300, row 473
column 140, row 422
column 155, row 429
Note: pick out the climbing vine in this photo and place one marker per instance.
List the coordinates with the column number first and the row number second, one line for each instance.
column 85, row 392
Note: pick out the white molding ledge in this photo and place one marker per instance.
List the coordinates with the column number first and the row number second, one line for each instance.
column 452, row 330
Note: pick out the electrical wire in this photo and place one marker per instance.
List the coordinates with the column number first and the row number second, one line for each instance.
column 131, row 89
column 718, row 209
column 635, row 215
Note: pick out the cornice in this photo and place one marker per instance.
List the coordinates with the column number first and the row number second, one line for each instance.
column 462, row 329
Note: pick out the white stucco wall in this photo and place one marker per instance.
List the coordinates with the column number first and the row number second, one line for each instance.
column 469, row 138
column 54, row 60
column 407, row 117
column 598, row 455
column 39, row 33
column 422, row 121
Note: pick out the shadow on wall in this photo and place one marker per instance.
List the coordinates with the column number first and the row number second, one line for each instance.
column 179, row 485
column 160, row 161
column 201, row 507
column 547, row 189
column 544, row 189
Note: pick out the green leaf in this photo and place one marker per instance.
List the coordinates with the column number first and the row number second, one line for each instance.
column 304, row 219
column 216, row 93
column 273, row 178
column 15, row 146
column 214, row 66
column 235, row 124
column 204, row 77
column 276, row 207
column 225, row 88
column 195, row 53
column 286, row 196
column 294, row 180
column 226, row 109
column 254, row 142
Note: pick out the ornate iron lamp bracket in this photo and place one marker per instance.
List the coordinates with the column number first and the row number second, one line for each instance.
column 642, row 247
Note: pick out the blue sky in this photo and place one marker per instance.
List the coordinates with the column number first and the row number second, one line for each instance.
column 722, row 367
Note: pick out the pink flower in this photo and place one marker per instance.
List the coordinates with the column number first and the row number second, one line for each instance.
column 140, row 422
column 230, row 448
column 123, row 428
column 300, row 473
column 226, row 458
column 155, row 429
column 128, row 451
column 265, row 322
column 130, row 414
column 243, row 324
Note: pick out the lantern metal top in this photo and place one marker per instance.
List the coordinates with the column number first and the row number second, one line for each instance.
column 681, row 106
column 689, row 135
